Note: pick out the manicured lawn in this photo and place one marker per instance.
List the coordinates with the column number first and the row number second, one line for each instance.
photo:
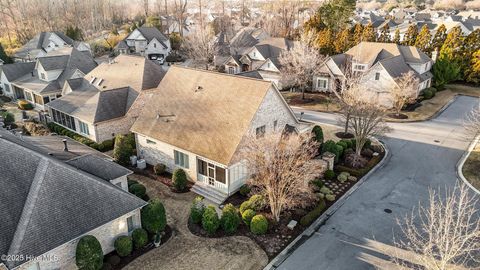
column 471, row 168
column 313, row 101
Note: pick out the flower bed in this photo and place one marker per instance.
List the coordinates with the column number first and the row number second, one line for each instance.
column 165, row 178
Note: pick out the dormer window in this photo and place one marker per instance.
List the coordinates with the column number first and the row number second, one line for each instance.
column 359, row 67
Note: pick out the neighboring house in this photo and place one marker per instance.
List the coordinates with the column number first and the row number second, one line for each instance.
column 45, row 42
column 48, row 205
column 197, row 120
column 42, row 81
column 379, row 64
column 146, row 41
column 107, row 100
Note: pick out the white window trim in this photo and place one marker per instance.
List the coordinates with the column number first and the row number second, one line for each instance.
column 318, row 83
column 355, row 67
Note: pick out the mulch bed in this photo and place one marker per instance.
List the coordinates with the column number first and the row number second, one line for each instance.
column 397, row 116
column 309, row 98
column 412, row 107
column 124, row 261
column 165, row 178
column 343, row 135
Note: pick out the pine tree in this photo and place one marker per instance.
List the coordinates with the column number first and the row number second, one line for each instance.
column 385, row 34
column 4, row 57
column 396, row 37
column 314, row 24
column 471, row 46
column 424, row 39
column 74, row 33
column 439, row 38
column 411, row 35
column 342, row 41
column 445, row 71
column 369, row 33
column 357, row 34
column 324, row 42
column 474, row 72
column 451, row 47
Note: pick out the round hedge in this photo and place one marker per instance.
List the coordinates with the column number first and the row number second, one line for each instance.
column 259, row 225
column 230, row 219
column 139, row 237
column 153, row 216
column 138, row 190
column 245, row 206
column 329, row 174
column 159, row 168
column 179, row 180
column 196, row 210
column 210, row 220
column 89, row 254
column 318, row 134
column 247, row 216
column 257, row 201
column 123, row 245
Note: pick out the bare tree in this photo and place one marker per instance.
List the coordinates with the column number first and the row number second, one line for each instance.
column 199, row 46
column 180, row 8
column 300, row 64
column 472, row 123
column 404, row 91
column 365, row 116
column 444, row 234
column 281, row 168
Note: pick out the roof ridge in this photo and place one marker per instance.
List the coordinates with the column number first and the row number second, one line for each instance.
column 220, row 73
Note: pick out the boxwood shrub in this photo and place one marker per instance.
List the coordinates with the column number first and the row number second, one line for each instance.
column 89, row 254
column 159, row 168
column 329, row 174
column 138, row 190
column 210, row 220
column 139, row 237
column 245, row 206
column 314, row 214
column 153, row 216
column 247, row 216
column 123, row 245
column 8, row 118
column 230, row 219
column 259, row 225
column 179, row 179
column 196, row 210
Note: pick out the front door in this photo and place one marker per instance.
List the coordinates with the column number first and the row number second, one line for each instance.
column 211, row 174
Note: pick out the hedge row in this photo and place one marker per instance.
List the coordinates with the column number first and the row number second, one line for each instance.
column 314, row 214
column 362, row 171
column 102, row 147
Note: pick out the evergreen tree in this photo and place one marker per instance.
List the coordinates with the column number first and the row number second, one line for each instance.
column 474, row 71
column 396, row 37
column 439, row 38
column 423, row 39
column 74, row 33
column 451, row 48
column 411, row 35
column 384, row 34
column 470, row 49
column 342, row 41
column 3, row 55
column 369, row 33
column 314, row 24
column 445, row 71
column 336, row 14
column 324, row 42
column 357, row 34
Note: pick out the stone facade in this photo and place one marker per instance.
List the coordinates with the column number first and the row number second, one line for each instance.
column 63, row 257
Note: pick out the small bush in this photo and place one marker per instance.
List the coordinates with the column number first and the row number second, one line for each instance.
column 325, row 190
column 89, row 253
column 318, row 183
column 24, row 105
column 210, row 220
column 245, row 206
column 153, row 216
column 8, row 118
column 347, row 142
column 329, row 174
column 314, row 214
column 428, row 93
column 259, row 225
column 122, row 150
column 257, row 201
column 330, row 197
column 179, row 180
column 138, row 190
column 343, row 144
column 159, row 168
column 123, row 245
column 139, row 237
column 230, row 219
column 247, row 216
column 343, row 177
column 329, row 146
column 131, row 182
column 318, row 134
column 245, row 190
column 197, row 209
column 105, row 145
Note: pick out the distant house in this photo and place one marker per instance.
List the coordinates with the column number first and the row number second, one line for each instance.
column 146, row 41
column 45, row 42
column 108, row 99
column 379, row 64
column 42, row 81
column 48, row 205
column 197, row 120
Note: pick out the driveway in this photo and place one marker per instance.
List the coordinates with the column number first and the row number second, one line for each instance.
column 423, row 155
column 187, row 251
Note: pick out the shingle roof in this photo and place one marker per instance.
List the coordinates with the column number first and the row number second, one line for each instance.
column 40, row 42
column 152, row 32
column 100, row 167
column 206, row 113
column 45, row 202
column 368, row 52
column 17, row 70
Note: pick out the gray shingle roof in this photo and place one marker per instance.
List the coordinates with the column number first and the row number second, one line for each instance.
column 100, row 167
column 45, row 202
column 17, row 70
column 53, row 62
column 40, row 42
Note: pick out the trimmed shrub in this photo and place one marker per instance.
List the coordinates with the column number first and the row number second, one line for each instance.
column 429, row 93
column 245, row 206
column 179, row 179
column 8, row 118
column 247, row 216
column 325, row 190
column 138, row 190
column 343, row 144
column 329, row 146
column 318, row 183
column 230, row 219
column 159, row 168
column 89, row 254
column 153, row 216
column 314, row 214
column 318, row 134
column 347, row 142
column 122, row 150
column 139, row 237
column 197, row 209
column 244, row 190
column 343, row 177
column 123, row 245
column 330, row 197
column 131, row 182
column 24, row 105
column 329, row 174
column 105, row 145
column 257, row 201
column 210, row 220
column 259, row 225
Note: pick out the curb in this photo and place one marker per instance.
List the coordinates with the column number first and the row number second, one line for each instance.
column 307, row 233
column 462, row 161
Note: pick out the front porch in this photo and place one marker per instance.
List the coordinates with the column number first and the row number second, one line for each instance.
column 38, row 101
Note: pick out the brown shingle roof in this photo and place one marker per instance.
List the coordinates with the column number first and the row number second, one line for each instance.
column 206, row 113
column 367, row 52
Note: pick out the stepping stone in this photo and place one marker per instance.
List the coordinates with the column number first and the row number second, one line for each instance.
column 291, row 225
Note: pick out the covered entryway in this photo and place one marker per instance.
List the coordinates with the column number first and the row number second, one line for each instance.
column 211, row 181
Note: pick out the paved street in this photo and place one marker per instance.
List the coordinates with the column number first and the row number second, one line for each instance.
column 423, row 155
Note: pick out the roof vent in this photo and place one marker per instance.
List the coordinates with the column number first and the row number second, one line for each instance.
column 92, row 80
column 99, row 82
column 198, row 89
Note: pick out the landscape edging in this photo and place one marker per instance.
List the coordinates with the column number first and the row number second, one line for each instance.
column 307, row 233
column 462, row 161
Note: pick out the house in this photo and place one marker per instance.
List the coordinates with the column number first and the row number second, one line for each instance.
column 42, row 81
column 108, row 99
column 45, row 42
column 146, row 41
column 379, row 64
column 197, row 120
column 48, row 205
